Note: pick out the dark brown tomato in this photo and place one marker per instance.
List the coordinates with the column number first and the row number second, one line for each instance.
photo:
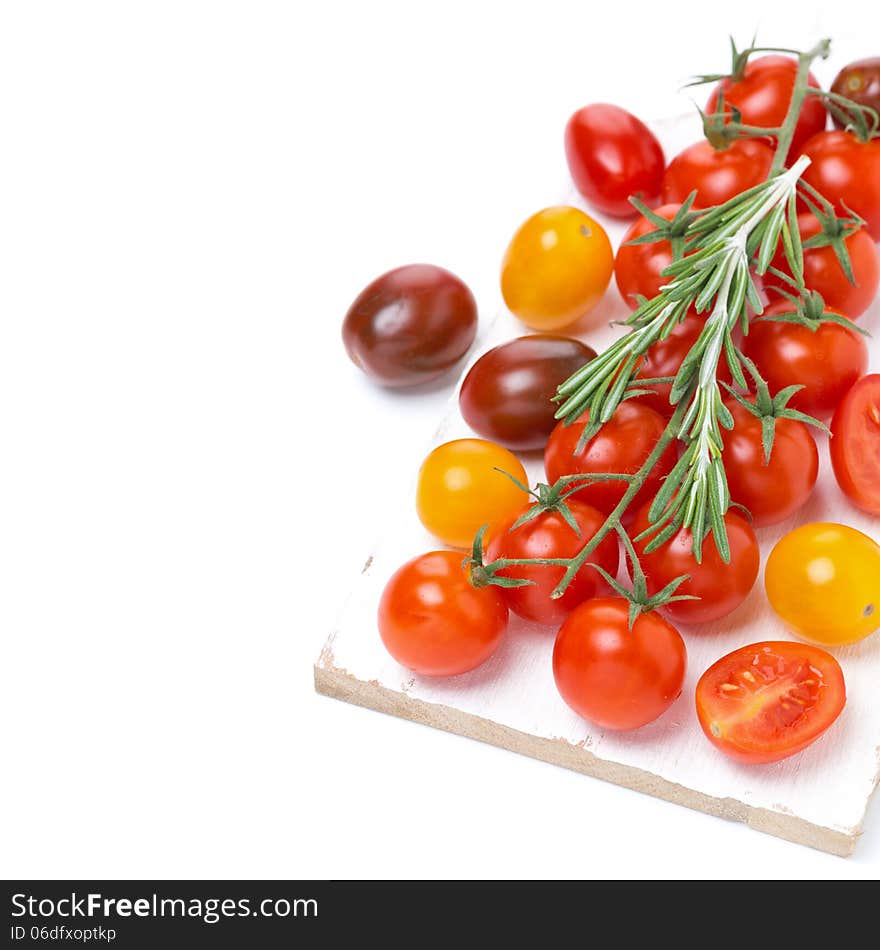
column 410, row 325
column 506, row 394
column 860, row 81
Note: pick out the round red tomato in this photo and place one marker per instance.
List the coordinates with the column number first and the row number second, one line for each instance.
column 433, row 620
column 847, row 173
column 823, row 273
column 506, row 394
column 721, row 587
column 638, row 267
column 665, row 357
column 617, row 677
column 717, row 175
column 825, row 361
column 763, row 94
column 859, row 81
column 767, row 701
column 613, row 155
column 775, row 489
column 855, row 444
column 549, row 535
column 622, row 445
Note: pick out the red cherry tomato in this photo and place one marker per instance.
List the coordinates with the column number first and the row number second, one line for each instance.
column 506, row 394
column 721, row 587
column 638, row 268
column 763, row 96
column 617, row 677
column 549, row 535
column 434, row 621
column 855, row 444
column 767, row 701
column 717, row 175
column 410, row 325
column 847, row 173
column 622, row 445
column 823, row 273
column 613, row 155
column 825, row 361
column 774, row 490
column 665, row 357
column 859, row 81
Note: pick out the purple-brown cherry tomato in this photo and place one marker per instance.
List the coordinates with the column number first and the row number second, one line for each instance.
column 860, row 81
column 506, row 395
column 410, row 325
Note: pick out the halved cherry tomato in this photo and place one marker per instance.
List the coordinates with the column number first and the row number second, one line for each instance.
column 770, row 700
column 855, row 444
column 433, row 620
column 617, row 677
column 549, row 535
column 613, row 155
column 621, row 446
column 717, row 175
column 721, row 587
column 459, row 489
column 638, row 267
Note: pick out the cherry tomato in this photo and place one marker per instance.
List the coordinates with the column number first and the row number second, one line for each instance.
column 721, row 587
column 638, row 267
column 763, row 96
column 549, row 535
column 825, row 361
column 459, row 489
column 860, row 81
column 847, row 173
column 717, row 175
column 556, row 268
column 616, row 677
column 410, row 325
column 433, row 620
column 665, row 357
column 855, row 444
column 823, row 273
column 824, row 581
column 767, row 701
column 506, row 394
column 622, row 445
column 613, row 155
column 774, row 490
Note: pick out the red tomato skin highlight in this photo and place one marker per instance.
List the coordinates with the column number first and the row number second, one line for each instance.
column 717, row 175
column 855, row 444
column 612, row 155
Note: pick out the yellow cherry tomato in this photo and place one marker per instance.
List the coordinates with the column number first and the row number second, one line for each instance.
column 556, row 268
column 459, row 490
column 824, row 581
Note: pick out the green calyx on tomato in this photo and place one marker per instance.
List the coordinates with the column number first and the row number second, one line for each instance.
column 808, row 310
column 834, row 229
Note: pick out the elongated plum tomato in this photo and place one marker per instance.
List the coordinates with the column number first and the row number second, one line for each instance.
column 717, row 175
column 638, row 267
column 410, row 325
column 855, row 444
column 762, row 96
column 823, row 273
column 612, row 155
column 550, row 536
column 459, row 489
column 617, row 677
column 859, row 81
column 556, row 268
column 771, row 490
column 622, row 445
column 825, row 361
column 767, row 701
column 506, row 394
column 721, row 587
column 846, row 171
column 824, row 581
column 434, row 621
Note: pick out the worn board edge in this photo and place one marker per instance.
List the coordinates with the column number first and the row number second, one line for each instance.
column 338, row 683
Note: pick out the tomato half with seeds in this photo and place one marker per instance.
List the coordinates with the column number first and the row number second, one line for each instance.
column 717, row 175
column 769, row 700
column 855, row 444
column 435, row 622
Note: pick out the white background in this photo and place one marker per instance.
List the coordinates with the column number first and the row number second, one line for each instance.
column 191, row 472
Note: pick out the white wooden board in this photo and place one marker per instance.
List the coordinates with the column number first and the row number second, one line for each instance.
column 817, row 798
